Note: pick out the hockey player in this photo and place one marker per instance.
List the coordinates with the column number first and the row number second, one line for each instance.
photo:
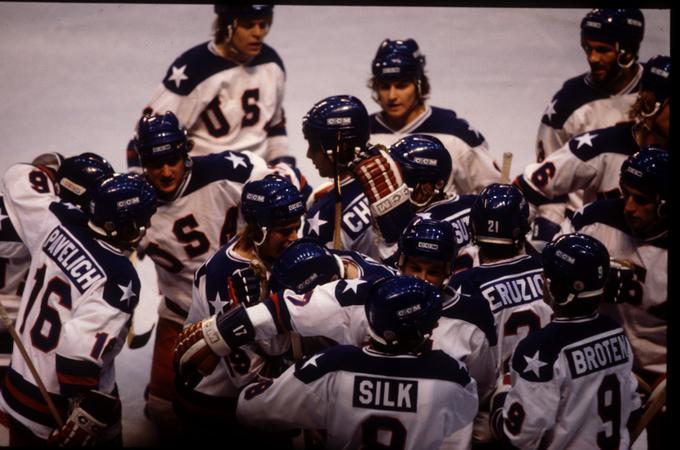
column 572, row 381
column 400, row 86
column 601, row 97
column 635, row 230
column 237, row 274
column 228, row 92
column 591, row 161
column 74, row 315
column 336, row 129
column 395, row 391
column 424, row 165
column 199, row 199
column 33, row 185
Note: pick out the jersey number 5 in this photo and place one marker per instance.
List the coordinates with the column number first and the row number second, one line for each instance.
column 217, row 124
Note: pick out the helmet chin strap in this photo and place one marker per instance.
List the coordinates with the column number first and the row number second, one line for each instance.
column 261, row 241
column 621, row 52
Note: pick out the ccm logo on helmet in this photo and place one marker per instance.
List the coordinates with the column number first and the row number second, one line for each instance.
column 339, row 121
column 409, row 310
column 659, row 72
column 255, row 197
column 591, row 24
column 563, row 256
column 428, row 246
column 634, row 171
column 294, row 206
column 127, row 202
column 161, row 148
column 426, row 161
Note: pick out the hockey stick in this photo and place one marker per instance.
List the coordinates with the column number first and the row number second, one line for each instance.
column 41, row 386
column 653, row 405
column 337, row 242
column 505, row 169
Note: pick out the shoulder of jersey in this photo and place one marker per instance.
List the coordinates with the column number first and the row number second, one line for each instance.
column 535, row 355
column 575, row 92
column 449, row 206
column 608, row 212
column 446, row 121
column 375, row 126
column 470, row 306
column 435, row 365
column 225, row 166
column 87, row 261
column 615, row 139
column 198, row 64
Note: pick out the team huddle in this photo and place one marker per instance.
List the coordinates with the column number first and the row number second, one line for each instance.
column 417, row 299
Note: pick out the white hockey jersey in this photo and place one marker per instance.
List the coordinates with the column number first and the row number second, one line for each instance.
column 202, row 216
column 473, row 164
column 74, row 315
column 572, row 387
column 579, row 107
column 366, row 399
column 644, row 314
column 225, row 105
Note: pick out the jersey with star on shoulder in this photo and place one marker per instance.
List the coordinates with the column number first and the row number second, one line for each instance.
column 514, row 290
column 32, row 190
column 225, row 105
column 644, row 314
column 366, row 399
column 590, row 161
column 579, row 107
column 211, row 296
column 74, row 317
column 356, row 231
column 202, row 215
column 473, row 166
column 572, row 387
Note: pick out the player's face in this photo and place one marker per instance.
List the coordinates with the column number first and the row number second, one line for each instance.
column 278, row 238
column 434, row 272
column 316, row 153
column 601, row 58
column 166, row 175
column 423, row 192
column 640, row 212
column 399, row 100
column 249, row 35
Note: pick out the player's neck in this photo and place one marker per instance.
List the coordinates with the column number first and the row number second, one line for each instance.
column 228, row 52
column 624, row 78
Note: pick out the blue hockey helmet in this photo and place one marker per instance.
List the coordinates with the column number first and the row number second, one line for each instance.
column 161, row 138
column 499, row 215
column 422, row 158
column 656, row 77
column 303, row 265
column 648, row 172
column 575, row 266
column 624, row 27
column 427, row 238
column 397, row 59
column 121, row 208
column 236, row 10
column 337, row 122
column 77, row 176
column 271, row 200
column 402, row 311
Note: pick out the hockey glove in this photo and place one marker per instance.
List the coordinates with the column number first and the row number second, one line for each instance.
column 199, row 347
column 90, row 417
column 244, row 286
column 388, row 195
column 496, row 409
column 621, row 285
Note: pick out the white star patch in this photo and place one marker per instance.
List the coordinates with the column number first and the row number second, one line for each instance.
column 474, row 130
column 178, row 75
column 585, row 139
column 534, row 364
column 218, row 304
column 315, row 223
column 426, row 215
column 550, row 109
column 312, row 361
column 128, row 293
column 353, row 285
column 236, row 160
